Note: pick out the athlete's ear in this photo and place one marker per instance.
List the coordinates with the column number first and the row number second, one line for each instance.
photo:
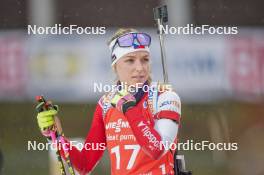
column 114, row 68
column 115, row 71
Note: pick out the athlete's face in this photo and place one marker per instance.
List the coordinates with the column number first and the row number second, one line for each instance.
column 133, row 67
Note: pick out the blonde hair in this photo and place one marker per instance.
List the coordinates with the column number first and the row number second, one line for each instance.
column 118, row 33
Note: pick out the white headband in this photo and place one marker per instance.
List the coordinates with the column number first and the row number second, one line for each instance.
column 118, row 52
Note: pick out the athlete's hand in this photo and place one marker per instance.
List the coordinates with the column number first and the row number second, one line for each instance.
column 123, row 100
column 47, row 120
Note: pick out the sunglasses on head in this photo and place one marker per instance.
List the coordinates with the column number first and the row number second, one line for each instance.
column 133, row 39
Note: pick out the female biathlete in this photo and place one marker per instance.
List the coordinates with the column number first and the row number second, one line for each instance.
column 135, row 125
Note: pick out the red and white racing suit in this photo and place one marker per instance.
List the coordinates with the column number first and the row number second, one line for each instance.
column 132, row 139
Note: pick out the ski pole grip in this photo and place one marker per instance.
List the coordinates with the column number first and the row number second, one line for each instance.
column 161, row 13
column 47, row 104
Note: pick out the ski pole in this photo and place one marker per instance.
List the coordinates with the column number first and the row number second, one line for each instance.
column 58, row 138
column 52, row 135
column 67, row 157
column 161, row 16
column 61, row 139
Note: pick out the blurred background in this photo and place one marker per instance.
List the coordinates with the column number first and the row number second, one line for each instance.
column 220, row 78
